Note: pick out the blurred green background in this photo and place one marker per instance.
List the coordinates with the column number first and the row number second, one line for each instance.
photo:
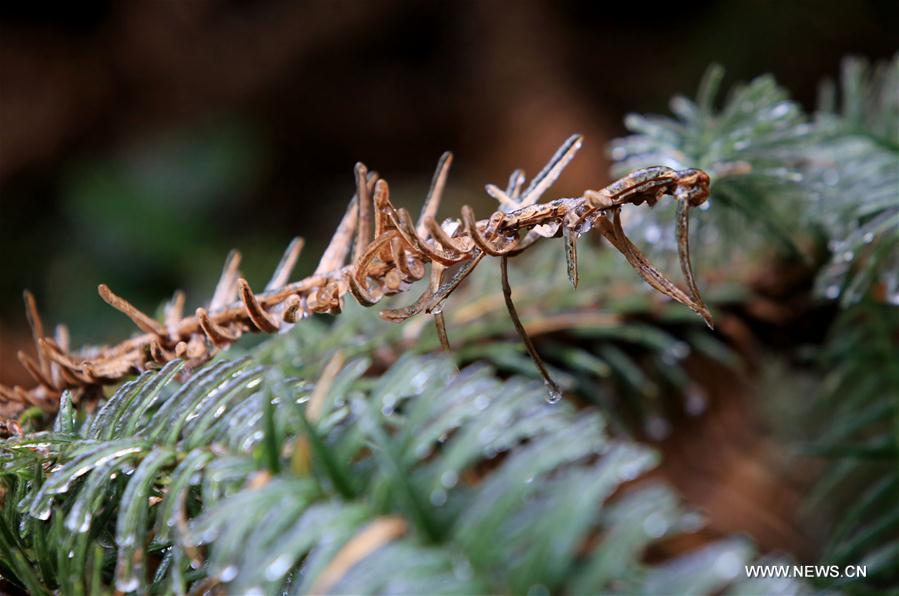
column 139, row 141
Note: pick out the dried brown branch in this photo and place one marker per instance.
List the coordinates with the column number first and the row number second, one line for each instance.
column 387, row 252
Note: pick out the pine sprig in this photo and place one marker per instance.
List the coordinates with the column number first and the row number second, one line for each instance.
column 779, row 174
column 836, row 175
column 382, row 487
column 855, row 173
column 751, row 149
column 859, row 439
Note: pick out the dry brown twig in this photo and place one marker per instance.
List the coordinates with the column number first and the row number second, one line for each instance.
column 376, row 251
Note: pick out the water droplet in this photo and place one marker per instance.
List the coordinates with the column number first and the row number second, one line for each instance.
column 696, row 400
column 127, row 584
column 462, row 570
column 831, row 177
column 278, row 568
column 449, row 479
column 728, row 564
column 584, row 227
column 629, row 471
column 228, row 573
column 655, row 525
column 679, row 350
column 868, row 238
column 553, row 395
column 43, row 514
column 547, row 230
column 81, row 528
column 652, row 233
column 692, row 522
column 438, row 497
column 832, row 291
column 658, row 428
column 780, row 110
column 481, row 402
column 847, row 256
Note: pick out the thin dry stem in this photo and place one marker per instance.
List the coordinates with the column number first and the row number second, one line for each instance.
column 376, row 251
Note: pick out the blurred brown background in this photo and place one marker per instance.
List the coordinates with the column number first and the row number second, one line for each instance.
column 140, row 140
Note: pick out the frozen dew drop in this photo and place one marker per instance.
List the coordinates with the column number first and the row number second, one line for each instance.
column 462, row 569
column 481, row 402
column 692, row 522
column 658, row 428
column 584, row 227
column 728, row 565
column 228, row 573
column 780, row 110
column 652, row 233
column 655, row 525
column 629, row 471
column 85, row 524
column 486, row 436
column 127, row 584
column 679, row 350
column 553, row 395
column 438, row 497
column 696, row 400
column 278, row 568
column 832, row 291
column 126, row 540
column 547, row 230
column 449, row 479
